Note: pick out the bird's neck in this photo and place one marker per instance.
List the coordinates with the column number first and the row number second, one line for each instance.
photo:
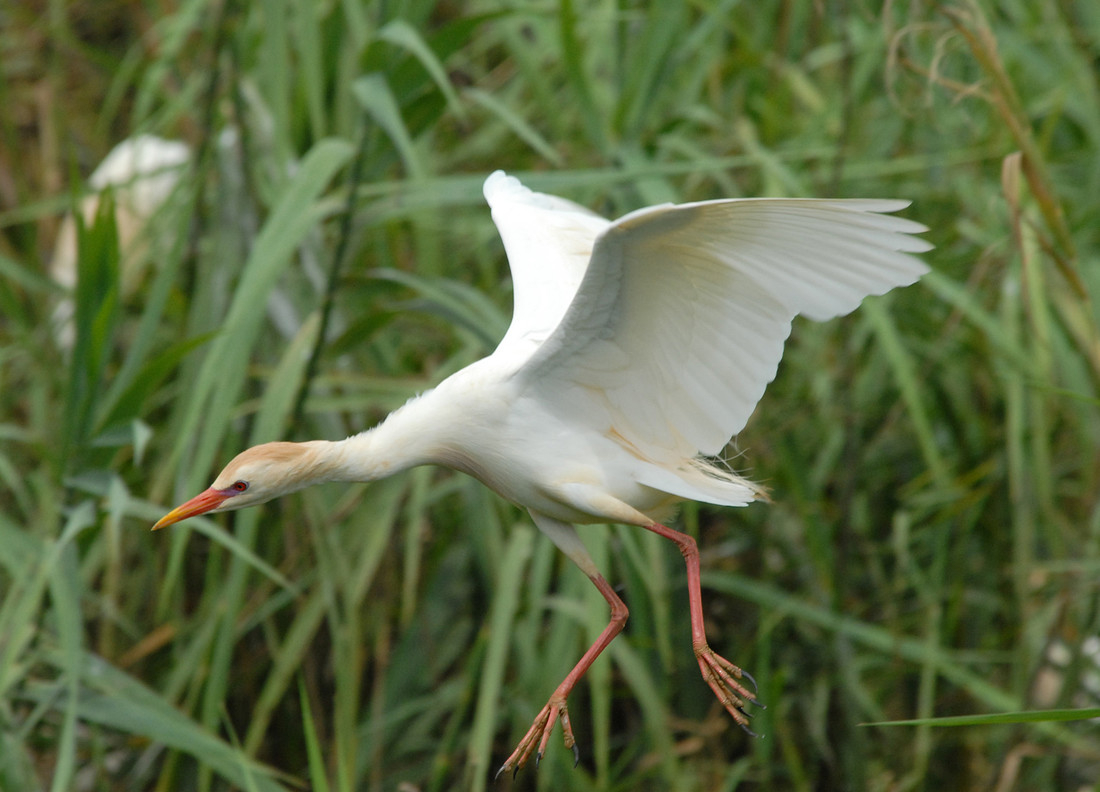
column 399, row 442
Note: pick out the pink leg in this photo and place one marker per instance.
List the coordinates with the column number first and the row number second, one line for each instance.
column 555, row 709
column 719, row 673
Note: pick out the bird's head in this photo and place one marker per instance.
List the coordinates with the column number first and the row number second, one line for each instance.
column 254, row 476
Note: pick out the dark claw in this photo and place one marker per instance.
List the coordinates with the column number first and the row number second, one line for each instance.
column 751, row 678
column 576, row 755
column 538, row 759
column 756, row 689
column 515, row 770
column 749, row 731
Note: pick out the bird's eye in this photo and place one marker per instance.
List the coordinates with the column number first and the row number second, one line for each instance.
column 239, row 486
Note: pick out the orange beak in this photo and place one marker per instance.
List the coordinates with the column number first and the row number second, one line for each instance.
column 200, row 504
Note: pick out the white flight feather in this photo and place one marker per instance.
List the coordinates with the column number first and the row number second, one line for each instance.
column 663, row 328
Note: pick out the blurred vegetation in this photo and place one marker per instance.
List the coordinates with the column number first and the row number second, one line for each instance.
column 933, row 548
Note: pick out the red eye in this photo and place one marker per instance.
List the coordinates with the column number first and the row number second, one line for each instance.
column 240, row 486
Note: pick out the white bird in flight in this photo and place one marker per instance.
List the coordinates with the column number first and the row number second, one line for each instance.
column 637, row 348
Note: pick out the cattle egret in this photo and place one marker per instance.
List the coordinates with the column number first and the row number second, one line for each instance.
column 637, row 348
column 141, row 172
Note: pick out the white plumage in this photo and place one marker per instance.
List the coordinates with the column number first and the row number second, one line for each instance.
column 637, row 348
column 141, row 172
column 666, row 325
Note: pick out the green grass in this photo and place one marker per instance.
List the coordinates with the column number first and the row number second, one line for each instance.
column 933, row 549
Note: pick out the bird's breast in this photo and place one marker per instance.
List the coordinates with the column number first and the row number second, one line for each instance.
column 535, row 456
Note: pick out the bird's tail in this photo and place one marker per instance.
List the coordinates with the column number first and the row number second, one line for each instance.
column 704, row 480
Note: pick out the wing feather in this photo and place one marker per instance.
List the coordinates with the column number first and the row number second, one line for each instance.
column 549, row 242
column 679, row 321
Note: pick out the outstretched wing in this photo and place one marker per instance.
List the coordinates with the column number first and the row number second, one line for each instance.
column 549, row 241
column 680, row 320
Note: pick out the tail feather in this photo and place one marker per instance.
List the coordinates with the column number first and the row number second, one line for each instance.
column 702, row 480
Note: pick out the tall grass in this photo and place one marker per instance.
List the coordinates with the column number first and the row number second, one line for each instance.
column 933, row 548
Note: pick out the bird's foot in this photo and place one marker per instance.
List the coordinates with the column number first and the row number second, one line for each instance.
column 539, row 734
column 723, row 676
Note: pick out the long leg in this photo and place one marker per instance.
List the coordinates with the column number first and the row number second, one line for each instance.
column 720, row 674
column 565, row 537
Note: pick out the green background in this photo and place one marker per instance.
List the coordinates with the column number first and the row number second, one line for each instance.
column 933, row 548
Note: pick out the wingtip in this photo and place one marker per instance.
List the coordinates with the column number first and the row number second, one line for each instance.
column 500, row 183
